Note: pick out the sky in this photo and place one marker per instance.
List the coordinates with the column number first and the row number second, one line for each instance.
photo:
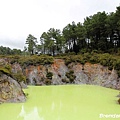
column 19, row 18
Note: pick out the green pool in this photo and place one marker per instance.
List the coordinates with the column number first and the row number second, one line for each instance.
column 71, row 102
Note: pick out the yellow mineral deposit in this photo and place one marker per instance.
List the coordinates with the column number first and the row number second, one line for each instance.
column 70, row 102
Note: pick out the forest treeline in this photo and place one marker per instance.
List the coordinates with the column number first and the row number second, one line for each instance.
column 99, row 32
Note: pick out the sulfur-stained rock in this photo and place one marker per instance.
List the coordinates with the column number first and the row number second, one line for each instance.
column 88, row 73
column 10, row 90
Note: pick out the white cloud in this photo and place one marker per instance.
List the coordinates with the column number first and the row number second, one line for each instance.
column 18, row 18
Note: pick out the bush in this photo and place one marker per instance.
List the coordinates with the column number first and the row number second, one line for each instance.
column 75, row 58
column 119, row 100
column 36, row 60
column 117, row 64
column 105, row 59
column 70, row 75
column 67, row 60
column 65, row 80
column 6, row 69
column 94, row 59
column 14, row 59
column 82, row 51
column 48, row 82
column 49, row 75
column 19, row 77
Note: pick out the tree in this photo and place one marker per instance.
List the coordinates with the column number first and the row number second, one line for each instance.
column 16, row 52
column 31, row 41
column 74, row 35
column 95, row 27
column 5, row 50
column 43, row 39
column 100, row 32
column 117, row 21
column 80, row 33
column 52, row 41
column 46, row 43
column 70, row 36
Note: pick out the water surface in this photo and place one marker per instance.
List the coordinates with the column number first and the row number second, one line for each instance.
column 72, row 102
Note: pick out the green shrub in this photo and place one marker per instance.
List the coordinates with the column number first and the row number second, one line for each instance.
column 19, row 77
column 119, row 100
column 6, row 69
column 14, row 59
column 70, row 75
column 75, row 58
column 94, row 59
column 65, row 80
column 117, row 64
column 36, row 60
column 49, row 75
column 82, row 51
column 67, row 60
column 48, row 82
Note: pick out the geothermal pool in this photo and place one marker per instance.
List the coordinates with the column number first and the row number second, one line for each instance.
column 68, row 102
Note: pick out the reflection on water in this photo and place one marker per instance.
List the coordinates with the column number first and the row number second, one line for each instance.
column 32, row 115
column 72, row 102
column 36, row 112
